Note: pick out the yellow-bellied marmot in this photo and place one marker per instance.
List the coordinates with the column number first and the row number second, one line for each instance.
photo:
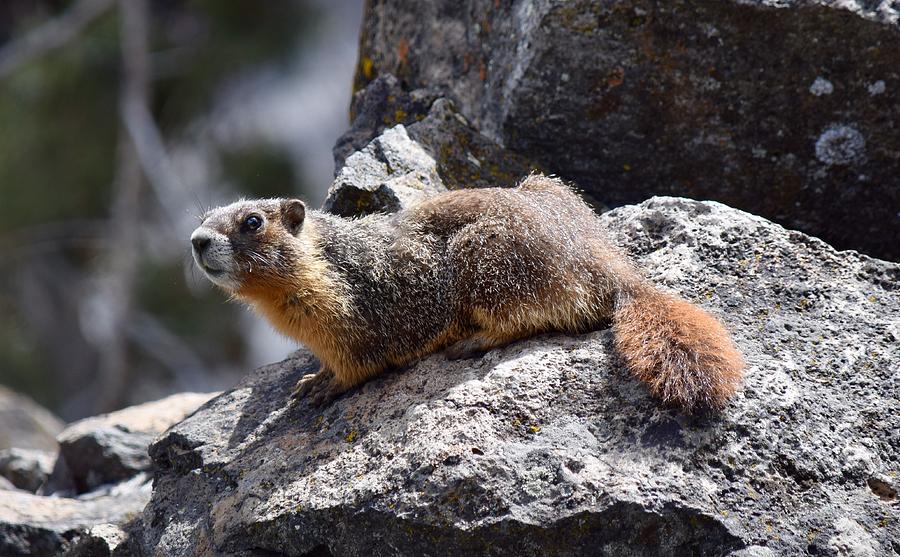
column 470, row 270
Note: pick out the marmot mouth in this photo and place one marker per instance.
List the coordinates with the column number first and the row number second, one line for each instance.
column 211, row 271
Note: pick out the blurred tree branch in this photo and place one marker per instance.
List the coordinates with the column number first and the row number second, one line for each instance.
column 151, row 152
column 118, row 284
column 95, row 313
column 50, row 35
column 134, row 111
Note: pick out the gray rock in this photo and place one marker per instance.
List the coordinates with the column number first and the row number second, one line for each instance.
column 32, row 525
column 381, row 105
column 437, row 151
column 26, row 468
column 753, row 551
column 103, row 455
column 102, row 540
column 113, row 447
column 852, row 540
column 390, row 173
column 786, row 109
column 25, row 424
column 6, row 485
column 464, row 157
column 104, row 461
column 547, row 447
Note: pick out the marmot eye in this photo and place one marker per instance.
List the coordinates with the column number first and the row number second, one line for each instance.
column 253, row 222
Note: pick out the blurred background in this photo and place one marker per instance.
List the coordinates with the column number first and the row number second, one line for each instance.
column 120, row 122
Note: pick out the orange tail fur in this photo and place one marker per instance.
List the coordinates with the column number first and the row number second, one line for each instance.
column 683, row 354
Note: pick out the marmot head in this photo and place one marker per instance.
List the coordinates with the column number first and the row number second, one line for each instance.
column 249, row 244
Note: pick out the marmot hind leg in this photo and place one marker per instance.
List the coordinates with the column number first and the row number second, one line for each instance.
column 479, row 344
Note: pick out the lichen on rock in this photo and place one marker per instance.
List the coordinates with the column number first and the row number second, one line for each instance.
column 841, row 144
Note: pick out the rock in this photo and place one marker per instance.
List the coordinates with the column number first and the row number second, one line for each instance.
column 32, row 525
column 26, row 468
column 103, row 455
column 390, row 173
column 102, row 540
column 104, row 461
column 852, row 540
column 753, row 551
column 26, row 425
column 6, row 485
column 548, row 447
column 784, row 109
column 437, row 151
column 464, row 157
column 113, row 447
column 381, row 105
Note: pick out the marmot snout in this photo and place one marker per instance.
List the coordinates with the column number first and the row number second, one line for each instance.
column 467, row 270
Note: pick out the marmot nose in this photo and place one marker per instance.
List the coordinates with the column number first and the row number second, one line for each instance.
column 200, row 241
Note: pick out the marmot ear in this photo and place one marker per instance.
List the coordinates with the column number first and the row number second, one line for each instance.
column 293, row 211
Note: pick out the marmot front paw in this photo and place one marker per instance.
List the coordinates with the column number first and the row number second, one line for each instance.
column 321, row 388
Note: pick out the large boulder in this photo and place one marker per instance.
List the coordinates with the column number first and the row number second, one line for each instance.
column 787, row 109
column 548, row 447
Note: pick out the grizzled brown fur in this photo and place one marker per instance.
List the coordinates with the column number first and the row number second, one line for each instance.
column 468, row 271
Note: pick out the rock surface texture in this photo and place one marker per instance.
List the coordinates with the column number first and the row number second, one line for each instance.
column 32, row 525
column 547, row 447
column 787, row 109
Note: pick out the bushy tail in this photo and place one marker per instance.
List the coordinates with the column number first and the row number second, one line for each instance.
column 683, row 354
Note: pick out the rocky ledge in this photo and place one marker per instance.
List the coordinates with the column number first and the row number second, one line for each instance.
column 547, row 447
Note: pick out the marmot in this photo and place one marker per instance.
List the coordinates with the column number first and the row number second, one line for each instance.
column 465, row 271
